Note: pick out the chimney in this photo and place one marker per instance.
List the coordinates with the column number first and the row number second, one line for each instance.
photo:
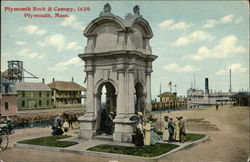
column 43, row 80
column 53, row 80
column 72, row 79
column 206, row 86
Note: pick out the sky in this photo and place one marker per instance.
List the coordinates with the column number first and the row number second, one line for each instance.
column 193, row 40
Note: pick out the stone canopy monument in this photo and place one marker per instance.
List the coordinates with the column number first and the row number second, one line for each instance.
column 118, row 57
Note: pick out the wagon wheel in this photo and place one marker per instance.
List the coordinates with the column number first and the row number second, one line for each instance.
column 3, row 141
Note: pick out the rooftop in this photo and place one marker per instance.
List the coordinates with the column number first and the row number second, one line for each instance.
column 164, row 94
column 66, row 86
column 29, row 86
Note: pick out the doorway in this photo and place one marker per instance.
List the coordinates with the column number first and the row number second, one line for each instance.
column 106, row 108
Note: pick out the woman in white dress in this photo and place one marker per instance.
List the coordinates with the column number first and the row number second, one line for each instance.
column 177, row 129
column 165, row 129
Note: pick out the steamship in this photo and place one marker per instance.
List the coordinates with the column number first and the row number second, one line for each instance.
column 196, row 98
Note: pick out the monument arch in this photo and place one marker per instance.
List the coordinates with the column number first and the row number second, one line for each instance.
column 118, row 56
column 104, row 108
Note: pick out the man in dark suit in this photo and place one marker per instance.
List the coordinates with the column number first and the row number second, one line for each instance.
column 170, row 130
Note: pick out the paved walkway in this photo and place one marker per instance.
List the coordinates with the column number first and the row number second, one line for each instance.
column 83, row 145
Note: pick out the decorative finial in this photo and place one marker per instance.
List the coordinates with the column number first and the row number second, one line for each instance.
column 107, row 7
column 136, row 10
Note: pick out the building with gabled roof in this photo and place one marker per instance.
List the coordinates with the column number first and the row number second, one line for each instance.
column 66, row 93
column 33, row 95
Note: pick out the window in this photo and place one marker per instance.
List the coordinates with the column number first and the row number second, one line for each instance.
column 23, row 103
column 47, row 94
column 40, row 103
column 6, row 106
column 40, row 94
column 47, row 102
column 23, row 94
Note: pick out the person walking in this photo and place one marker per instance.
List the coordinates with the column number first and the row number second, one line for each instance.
column 170, row 130
column 217, row 107
column 165, row 129
column 182, row 130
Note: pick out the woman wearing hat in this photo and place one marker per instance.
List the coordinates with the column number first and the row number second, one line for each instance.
column 141, row 117
column 165, row 129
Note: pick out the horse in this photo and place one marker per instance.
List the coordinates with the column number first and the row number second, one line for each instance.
column 71, row 118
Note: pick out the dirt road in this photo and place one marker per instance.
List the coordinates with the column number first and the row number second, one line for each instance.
column 228, row 129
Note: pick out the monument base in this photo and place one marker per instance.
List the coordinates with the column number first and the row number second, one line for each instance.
column 87, row 127
column 124, row 129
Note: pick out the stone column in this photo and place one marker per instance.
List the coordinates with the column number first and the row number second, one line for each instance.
column 131, row 106
column 87, row 122
column 97, row 98
column 148, row 87
column 89, row 96
column 121, row 107
column 123, row 126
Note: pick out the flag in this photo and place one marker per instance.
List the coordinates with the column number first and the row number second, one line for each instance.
column 170, row 83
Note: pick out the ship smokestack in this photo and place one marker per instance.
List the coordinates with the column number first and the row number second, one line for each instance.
column 206, row 86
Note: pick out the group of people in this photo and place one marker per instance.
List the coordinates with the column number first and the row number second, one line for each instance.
column 174, row 130
column 107, row 124
column 60, row 125
column 145, row 131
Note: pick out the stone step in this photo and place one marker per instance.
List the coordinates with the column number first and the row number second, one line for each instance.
column 103, row 137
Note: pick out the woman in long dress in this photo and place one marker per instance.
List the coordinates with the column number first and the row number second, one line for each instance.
column 165, row 129
column 177, row 130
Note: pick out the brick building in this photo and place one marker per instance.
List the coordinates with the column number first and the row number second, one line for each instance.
column 8, row 98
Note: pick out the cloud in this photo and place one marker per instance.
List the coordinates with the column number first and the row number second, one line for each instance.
column 28, row 53
column 171, row 25
column 193, row 37
column 61, row 66
column 176, row 68
column 72, row 22
column 20, row 43
column 235, row 68
column 58, row 41
column 223, row 20
column 34, row 30
column 227, row 47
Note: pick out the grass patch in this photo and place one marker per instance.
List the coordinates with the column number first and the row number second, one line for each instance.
column 51, row 141
column 145, row 151
column 193, row 137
